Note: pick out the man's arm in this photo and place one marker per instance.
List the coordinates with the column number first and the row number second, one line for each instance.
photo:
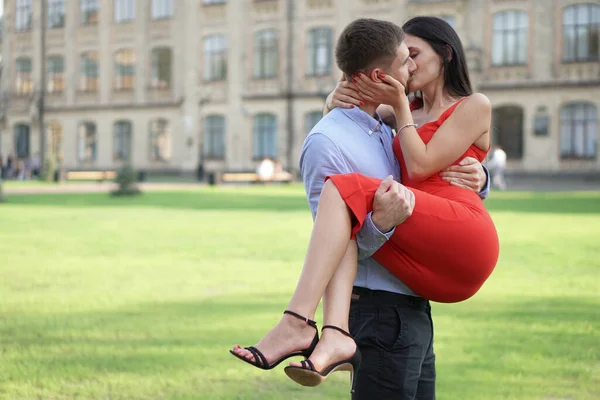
column 393, row 203
column 469, row 174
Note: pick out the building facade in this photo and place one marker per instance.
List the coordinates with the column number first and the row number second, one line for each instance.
column 173, row 84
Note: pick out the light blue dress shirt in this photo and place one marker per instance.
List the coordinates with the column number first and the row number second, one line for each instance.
column 345, row 141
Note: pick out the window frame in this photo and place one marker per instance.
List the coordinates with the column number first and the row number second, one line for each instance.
column 266, row 49
column 589, row 128
column 519, row 32
column 118, row 139
column 317, row 38
column 263, row 126
column 214, row 146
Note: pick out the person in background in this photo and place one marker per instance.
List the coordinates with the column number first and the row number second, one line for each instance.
column 497, row 166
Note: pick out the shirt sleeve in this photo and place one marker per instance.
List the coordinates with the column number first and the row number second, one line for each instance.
column 485, row 192
column 320, row 158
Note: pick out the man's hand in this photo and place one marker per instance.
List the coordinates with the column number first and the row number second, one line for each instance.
column 392, row 205
column 469, row 174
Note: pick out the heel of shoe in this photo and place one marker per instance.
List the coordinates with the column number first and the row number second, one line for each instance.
column 355, row 362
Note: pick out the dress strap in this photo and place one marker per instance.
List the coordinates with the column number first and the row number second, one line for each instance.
column 450, row 109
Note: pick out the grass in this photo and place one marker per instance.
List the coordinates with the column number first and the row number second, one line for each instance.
column 116, row 298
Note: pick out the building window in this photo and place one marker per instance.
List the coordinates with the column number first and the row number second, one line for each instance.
column 21, row 140
column 88, row 72
column 162, row 9
column 161, row 68
column 319, row 51
column 578, row 131
column 124, row 70
column 311, row 119
column 89, row 12
column 23, row 79
column 55, row 145
column 56, row 74
column 160, row 140
column 215, row 58
column 56, row 13
column 581, row 33
column 87, row 142
column 122, row 141
column 214, row 137
column 124, row 11
column 23, row 15
column 266, row 54
column 509, row 45
column 265, row 136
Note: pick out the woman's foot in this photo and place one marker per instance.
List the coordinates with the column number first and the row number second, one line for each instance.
column 333, row 347
column 289, row 335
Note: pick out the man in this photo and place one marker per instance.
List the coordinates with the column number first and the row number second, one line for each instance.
column 390, row 324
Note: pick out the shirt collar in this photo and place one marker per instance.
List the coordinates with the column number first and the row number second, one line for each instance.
column 364, row 120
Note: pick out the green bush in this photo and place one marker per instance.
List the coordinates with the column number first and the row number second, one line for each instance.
column 48, row 169
column 126, row 179
column 1, row 191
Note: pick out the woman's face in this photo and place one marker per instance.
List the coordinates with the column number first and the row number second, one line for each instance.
column 429, row 66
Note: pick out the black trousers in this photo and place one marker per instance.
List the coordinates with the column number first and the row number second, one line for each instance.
column 394, row 333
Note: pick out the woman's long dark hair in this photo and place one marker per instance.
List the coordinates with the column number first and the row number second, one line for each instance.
column 443, row 38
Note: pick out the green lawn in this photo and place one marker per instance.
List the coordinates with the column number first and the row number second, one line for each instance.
column 112, row 298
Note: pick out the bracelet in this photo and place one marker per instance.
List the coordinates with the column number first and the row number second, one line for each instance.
column 407, row 125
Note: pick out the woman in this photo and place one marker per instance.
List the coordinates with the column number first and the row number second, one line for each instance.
column 444, row 251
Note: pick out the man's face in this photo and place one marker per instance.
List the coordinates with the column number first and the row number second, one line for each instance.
column 402, row 66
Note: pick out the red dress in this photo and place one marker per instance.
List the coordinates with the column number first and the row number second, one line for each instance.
column 449, row 246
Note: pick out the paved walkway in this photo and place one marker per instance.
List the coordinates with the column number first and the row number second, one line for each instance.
column 94, row 187
column 514, row 183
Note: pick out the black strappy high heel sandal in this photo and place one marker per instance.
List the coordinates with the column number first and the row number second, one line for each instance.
column 260, row 361
column 307, row 375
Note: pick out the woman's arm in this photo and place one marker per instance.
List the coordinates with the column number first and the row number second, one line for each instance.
column 468, row 122
column 388, row 115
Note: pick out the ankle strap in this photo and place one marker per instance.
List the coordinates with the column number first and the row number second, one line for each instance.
column 308, row 321
column 336, row 328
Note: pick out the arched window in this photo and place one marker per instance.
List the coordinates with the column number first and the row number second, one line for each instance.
column 265, row 136
column 214, row 137
column 578, row 130
column 21, row 140
column 122, row 132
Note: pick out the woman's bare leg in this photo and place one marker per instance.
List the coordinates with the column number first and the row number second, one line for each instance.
column 334, row 346
column 327, row 247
